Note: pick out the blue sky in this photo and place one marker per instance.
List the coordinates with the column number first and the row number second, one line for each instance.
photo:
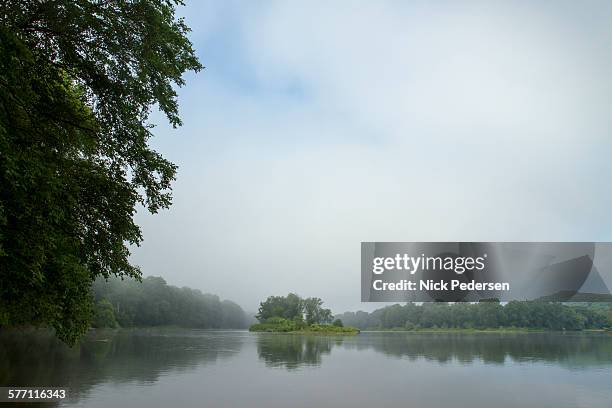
column 316, row 126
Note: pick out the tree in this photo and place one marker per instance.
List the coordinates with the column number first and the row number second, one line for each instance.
column 104, row 316
column 289, row 307
column 315, row 313
column 233, row 315
column 294, row 308
column 153, row 302
column 326, row 316
column 482, row 315
column 394, row 316
column 78, row 79
column 338, row 323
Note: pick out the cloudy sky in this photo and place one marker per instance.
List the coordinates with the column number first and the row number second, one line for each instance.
column 316, row 126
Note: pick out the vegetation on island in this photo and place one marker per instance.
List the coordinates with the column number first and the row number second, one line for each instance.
column 152, row 302
column 78, row 81
column 291, row 313
column 489, row 315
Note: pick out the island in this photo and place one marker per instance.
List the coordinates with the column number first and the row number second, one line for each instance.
column 292, row 314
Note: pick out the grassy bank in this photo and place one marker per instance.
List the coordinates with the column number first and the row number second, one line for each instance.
column 314, row 329
column 279, row 325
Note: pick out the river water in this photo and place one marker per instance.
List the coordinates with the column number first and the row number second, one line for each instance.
column 198, row 368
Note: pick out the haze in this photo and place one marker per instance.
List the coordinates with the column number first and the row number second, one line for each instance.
column 316, row 126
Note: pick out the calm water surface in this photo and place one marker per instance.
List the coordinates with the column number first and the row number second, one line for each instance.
column 192, row 368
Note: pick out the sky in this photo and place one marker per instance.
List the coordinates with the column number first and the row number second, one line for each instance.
column 317, row 126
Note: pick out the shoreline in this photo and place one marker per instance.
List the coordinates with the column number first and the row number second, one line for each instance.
column 503, row 330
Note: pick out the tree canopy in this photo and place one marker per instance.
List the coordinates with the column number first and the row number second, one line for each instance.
column 78, row 80
column 483, row 315
column 293, row 307
column 152, row 302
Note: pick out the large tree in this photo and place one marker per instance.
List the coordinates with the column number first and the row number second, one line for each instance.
column 288, row 307
column 78, row 80
column 293, row 307
column 315, row 313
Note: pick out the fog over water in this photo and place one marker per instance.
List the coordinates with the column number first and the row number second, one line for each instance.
column 315, row 127
column 194, row 368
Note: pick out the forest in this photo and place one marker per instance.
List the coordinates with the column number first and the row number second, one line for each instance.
column 483, row 315
column 152, row 302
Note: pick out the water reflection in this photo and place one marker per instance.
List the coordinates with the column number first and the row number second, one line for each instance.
column 110, row 368
column 292, row 351
column 569, row 350
column 36, row 358
column 573, row 349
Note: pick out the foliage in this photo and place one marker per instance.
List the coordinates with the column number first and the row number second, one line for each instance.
column 291, row 313
column 484, row 315
column 293, row 307
column 275, row 324
column 279, row 324
column 78, row 79
column 327, row 328
column 315, row 313
column 338, row 323
column 288, row 307
column 104, row 316
column 154, row 303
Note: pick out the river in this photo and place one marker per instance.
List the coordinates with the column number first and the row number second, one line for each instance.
column 198, row 368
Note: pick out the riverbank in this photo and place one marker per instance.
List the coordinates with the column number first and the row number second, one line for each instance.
column 486, row 330
column 312, row 329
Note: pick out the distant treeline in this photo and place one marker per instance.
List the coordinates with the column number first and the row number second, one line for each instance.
column 484, row 315
column 152, row 302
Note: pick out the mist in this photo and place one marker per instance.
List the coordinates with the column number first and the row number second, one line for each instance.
column 315, row 127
